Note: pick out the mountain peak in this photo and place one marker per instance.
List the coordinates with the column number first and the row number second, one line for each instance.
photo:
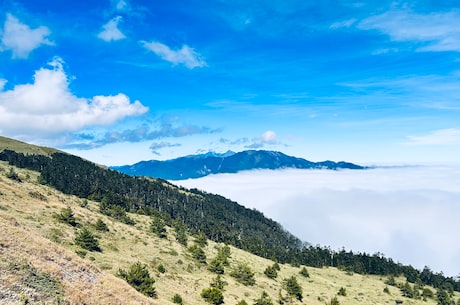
column 196, row 166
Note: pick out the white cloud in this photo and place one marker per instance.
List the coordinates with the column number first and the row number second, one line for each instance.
column 120, row 5
column 21, row 39
column 185, row 55
column 2, row 83
column 431, row 32
column 47, row 106
column 267, row 138
column 110, row 31
column 438, row 137
column 408, row 213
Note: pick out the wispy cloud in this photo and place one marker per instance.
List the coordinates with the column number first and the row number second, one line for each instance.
column 20, row 39
column 154, row 147
column 429, row 32
column 110, row 30
column 185, row 56
column 407, row 213
column 448, row 136
column 166, row 129
column 47, row 106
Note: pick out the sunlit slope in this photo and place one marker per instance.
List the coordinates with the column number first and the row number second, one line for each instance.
column 39, row 261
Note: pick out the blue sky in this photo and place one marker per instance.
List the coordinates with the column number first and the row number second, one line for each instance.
column 122, row 81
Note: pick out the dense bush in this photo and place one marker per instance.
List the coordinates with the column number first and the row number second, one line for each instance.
column 138, row 276
column 67, row 216
column 87, row 240
column 264, row 299
column 212, row 295
column 293, row 288
column 243, row 274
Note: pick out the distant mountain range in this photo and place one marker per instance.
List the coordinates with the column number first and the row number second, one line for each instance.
column 196, row 166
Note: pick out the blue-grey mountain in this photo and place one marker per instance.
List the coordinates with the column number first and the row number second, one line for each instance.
column 196, row 166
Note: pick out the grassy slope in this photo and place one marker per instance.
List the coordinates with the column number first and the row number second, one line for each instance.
column 30, row 235
column 25, row 148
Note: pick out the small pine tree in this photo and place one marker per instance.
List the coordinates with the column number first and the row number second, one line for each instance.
column 158, row 227
column 67, row 216
column 242, row 302
column 100, row 225
column 216, row 266
column 218, row 282
column 201, row 240
column 161, row 268
column 197, row 253
column 264, row 299
column 304, row 272
column 138, row 276
column 271, row 272
column 177, row 299
column 212, row 295
column 87, row 240
column 334, row 301
column 293, row 288
column 243, row 274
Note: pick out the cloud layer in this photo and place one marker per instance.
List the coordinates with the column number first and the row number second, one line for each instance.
column 408, row 213
column 47, row 106
column 110, row 30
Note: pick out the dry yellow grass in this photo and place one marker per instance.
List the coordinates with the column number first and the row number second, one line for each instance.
column 30, row 234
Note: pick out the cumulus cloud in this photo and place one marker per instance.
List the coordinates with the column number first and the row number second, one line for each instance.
column 110, row 30
column 185, row 56
column 267, row 138
column 120, row 5
column 446, row 136
column 407, row 213
column 47, row 106
column 431, row 32
column 20, row 39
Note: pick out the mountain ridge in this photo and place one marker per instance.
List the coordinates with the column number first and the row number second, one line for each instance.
column 197, row 166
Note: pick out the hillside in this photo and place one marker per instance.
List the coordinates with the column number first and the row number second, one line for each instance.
column 196, row 166
column 39, row 263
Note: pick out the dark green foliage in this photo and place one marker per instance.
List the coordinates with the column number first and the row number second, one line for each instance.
column 212, row 295
column 304, row 272
column 197, row 253
column 13, row 175
column 100, row 225
column 391, row 281
column 87, row 240
column 271, row 272
column 334, row 301
column 293, row 288
column 181, row 232
column 138, row 276
column 158, row 227
column 218, row 282
column 216, row 266
column 427, row 293
column 218, row 218
column 161, row 268
column 201, row 240
column 242, row 302
column 386, row 290
column 264, row 299
column 67, row 216
column 177, row 299
column 342, row 292
column 243, row 274
column 444, row 298
column 408, row 291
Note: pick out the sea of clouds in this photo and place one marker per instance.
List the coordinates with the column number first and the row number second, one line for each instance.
column 408, row 213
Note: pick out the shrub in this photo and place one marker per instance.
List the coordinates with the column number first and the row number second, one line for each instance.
column 212, row 295
column 87, row 240
column 67, row 216
column 218, row 282
column 342, row 292
column 243, row 274
column 216, row 266
column 271, row 272
column 334, row 301
column 293, row 288
column 304, row 272
column 158, row 227
column 201, row 240
column 161, row 268
column 13, row 175
column 242, row 302
column 100, row 225
column 197, row 253
column 177, row 299
column 427, row 293
column 264, row 299
column 138, row 276
column 386, row 290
